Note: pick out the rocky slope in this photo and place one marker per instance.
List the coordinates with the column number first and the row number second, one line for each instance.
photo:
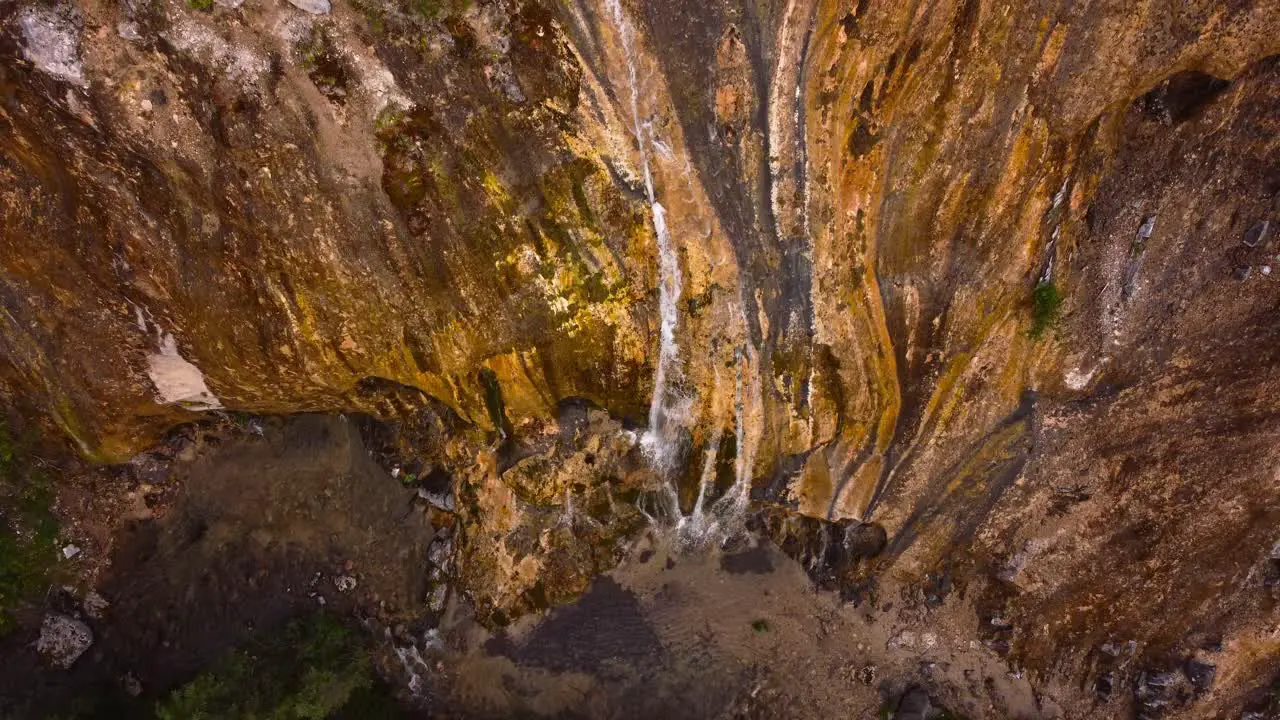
column 615, row 264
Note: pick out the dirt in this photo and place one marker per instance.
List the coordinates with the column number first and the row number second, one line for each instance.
column 266, row 526
column 740, row 634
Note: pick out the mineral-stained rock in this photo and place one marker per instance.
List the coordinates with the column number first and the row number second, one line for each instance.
column 63, row 639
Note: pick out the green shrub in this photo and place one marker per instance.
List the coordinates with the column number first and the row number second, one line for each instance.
column 308, row 671
column 1046, row 308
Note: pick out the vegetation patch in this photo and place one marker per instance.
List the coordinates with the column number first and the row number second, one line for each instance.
column 324, row 65
column 1046, row 308
column 312, row 669
column 28, row 530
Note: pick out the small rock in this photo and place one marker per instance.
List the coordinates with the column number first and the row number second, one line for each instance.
column 230, row 4
column 439, row 500
column 70, row 551
column 94, row 605
column 63, row 639
column 1242, row 272
column 1266, row 269
column 1257, row 234
column 1148, row 226
column 439, row 552
column 315, row 7
column 929, row 639
column 128, row 30
column 344, row 583
column 904, row 639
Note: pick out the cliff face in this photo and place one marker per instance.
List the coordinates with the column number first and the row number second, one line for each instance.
column 696, row 250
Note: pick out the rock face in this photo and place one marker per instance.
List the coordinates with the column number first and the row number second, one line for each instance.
column 785, row 249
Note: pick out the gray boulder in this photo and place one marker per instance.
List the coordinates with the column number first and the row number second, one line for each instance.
column 63, row 639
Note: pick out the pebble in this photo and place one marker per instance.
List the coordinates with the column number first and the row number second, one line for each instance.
column 1257, row 234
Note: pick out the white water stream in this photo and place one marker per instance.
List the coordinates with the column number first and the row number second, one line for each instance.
column 669, row 409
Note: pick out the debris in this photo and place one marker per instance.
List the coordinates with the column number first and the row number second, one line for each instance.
column 63, row 639
column 344, row 583
column 1257, row 234
column 70, row 551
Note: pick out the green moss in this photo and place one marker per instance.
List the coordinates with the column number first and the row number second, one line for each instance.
column 310, row 670
column 1046, row 308
column 28, row 530
column 760, row 626
column 429, row 9
column 201, row 5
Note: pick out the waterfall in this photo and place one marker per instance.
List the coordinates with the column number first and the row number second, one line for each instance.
column 669, row 410
column 666, row 410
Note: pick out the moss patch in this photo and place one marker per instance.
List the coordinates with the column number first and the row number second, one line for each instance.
column 28, row 530
column 1046, row 308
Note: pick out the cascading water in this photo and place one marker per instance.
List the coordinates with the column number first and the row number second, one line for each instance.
column 669, row 410
column 660, row 441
